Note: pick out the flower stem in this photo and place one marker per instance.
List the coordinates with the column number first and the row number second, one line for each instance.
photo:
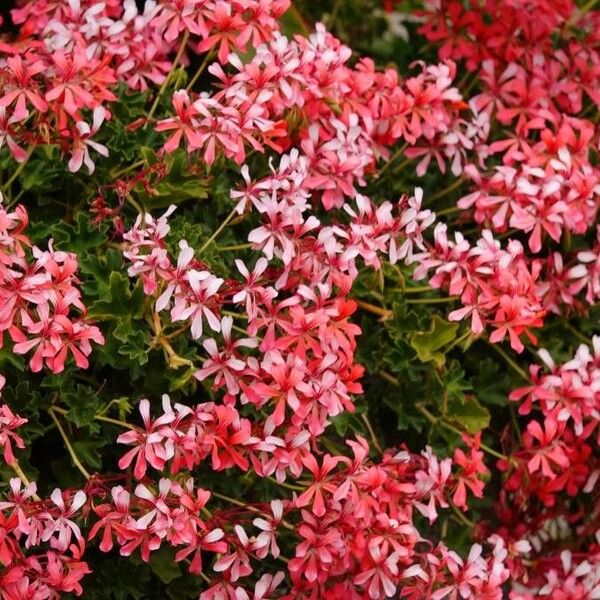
column 461, row 516
column 414, row 290
column 587, row 6
column 432, row 300
column 373, row 308
column 18, row 171
column 220, row 229
column 289, row 486
column 389, row 378
column 577, row 333
column 452, row 210
column 209, row 56
column 247, row 507
column 165, row 83
column 434, row 420
column 515, row 424
column 16, row 467
column 371, row 431
column 510, row 362
column 68, row 445
column 234, row 247
column 402, row 166
column 135, row 205
column 392, row 159
column 443, row 423
column 453, row 186
column 102, row 418
column 127, row 169
column 300, row 20
column 459, row 340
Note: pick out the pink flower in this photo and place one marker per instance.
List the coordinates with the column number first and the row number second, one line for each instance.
column 81, row 141
column 152, row 445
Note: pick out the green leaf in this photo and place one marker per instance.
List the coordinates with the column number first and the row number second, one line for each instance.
column 79, row 237
column 99, row 269
column 89, row 453
column 179, row 185
column 148, row 155
column 429, row 343
column 122, row 307
column 120, row 300
column 348, row 421
column 292, row 22
column 469, row 414
column 176, row 191
column 163, row 564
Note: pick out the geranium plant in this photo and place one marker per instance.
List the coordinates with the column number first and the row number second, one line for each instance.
column 299, row 300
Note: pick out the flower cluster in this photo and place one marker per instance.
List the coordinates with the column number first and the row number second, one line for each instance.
column 73, row 54
column 257, row 479
column 9, row 423
column 537, row 84
column 38, row 298
column 41, row 546
column 556, row 462
column 355, row 114
column 497, row 287
column 343, row 496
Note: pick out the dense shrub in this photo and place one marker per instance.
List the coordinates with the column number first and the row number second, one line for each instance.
column 299, row 301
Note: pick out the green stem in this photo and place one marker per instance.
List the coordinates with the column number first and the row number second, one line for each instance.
column 135, row 205
column 234, row 247
column 515, row 424
column 163, row 87
column 68, row 445
column 432, row 300
column 16, row 467
column 289, row 486
column 453, row 186
column 587, row 6
column 458, row 340
column 300, row 20
column 413, row 290
column 216, row 234
column 461, row 516
column 448, row 211
column 392, row 159
column 389, row 378
column 586, row 111
column 235, row 315
column 467, row 91
column 443, row 423
column 463, row 79
column 116, row 422
column 374, row 309
column 18, row 171
column 334, row 14
column 510, row 362
column 241, row 330
column 247, row 507
column 125, row 170
column 402, row 166
column 102, row 418
column 209, row 56
column 577, row 333
column 233, row 501
column 371, row 431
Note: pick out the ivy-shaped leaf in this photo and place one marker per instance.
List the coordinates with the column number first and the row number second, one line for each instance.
column 79, row 237
column 429, row 343
column 163, row 564
column 469, row 414
column 121, row 301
